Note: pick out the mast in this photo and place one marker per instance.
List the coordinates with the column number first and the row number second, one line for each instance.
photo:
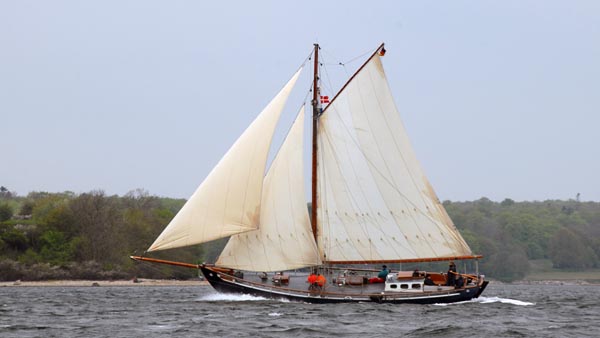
column 315, row 116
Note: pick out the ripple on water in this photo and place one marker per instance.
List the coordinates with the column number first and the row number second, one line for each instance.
column 506, row 310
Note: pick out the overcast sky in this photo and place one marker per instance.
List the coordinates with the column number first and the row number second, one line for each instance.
column 500, row 98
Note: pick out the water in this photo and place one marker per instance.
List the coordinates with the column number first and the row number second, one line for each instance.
column 185, row 311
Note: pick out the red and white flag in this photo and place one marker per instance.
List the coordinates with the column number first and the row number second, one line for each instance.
column 324, row 99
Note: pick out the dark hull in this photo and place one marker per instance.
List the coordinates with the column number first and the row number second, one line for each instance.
column 225, row 283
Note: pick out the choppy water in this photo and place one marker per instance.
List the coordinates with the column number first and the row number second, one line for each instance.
column 504, row 311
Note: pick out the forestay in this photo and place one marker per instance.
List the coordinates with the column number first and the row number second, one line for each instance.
column 228, row 201
column 284, row 240
column 375, row 202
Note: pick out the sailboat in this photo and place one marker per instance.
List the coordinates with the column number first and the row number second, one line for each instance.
column 371, row 204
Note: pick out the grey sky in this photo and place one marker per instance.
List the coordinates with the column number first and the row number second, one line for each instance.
column 500, row 98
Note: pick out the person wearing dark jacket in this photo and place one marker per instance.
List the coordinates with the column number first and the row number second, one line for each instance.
column 451, row 281
column 428, row 280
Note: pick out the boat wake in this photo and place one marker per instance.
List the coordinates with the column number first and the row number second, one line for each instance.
column 487, row 300
column 231, row 297
column 490, row 300
column 225, row 297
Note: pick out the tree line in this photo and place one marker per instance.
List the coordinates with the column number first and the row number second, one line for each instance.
column 91, row 235
column 509, row 234
column 87, row 236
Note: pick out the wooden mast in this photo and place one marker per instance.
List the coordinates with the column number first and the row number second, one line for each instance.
column 315, row 116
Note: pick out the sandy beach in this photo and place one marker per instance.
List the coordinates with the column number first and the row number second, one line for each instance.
column 79, row 283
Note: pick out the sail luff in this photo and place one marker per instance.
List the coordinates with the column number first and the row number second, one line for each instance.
column 228, row 200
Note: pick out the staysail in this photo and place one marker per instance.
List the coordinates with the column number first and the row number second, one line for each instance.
column 284, row 239
column 375, row 203
column 228, row 201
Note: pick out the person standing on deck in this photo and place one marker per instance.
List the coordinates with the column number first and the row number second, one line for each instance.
column 451, row 274
column 321, row 280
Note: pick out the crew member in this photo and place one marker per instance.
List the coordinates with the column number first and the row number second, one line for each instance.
column 321, row 280
column 451, row 274
column 383, row 273
column 428, row 280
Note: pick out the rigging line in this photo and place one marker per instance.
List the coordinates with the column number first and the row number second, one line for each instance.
column 348, row 74
column 154, row 267
column 330, row 85
column 305, row 100
column 370, row 51
column 308, row 58
column 339, row 63
column 326, row 84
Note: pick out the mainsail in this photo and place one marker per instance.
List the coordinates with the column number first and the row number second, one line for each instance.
column 228, row 201
column 375, row 204
column 284, row 239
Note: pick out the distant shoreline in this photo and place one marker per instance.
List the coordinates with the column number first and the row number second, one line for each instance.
column 80, row 283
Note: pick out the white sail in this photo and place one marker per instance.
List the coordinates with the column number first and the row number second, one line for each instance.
column 284, row 240
column 228, row 201
column 375, row 202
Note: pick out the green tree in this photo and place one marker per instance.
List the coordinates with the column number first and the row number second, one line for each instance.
column 5, row 193
column 509, row 263
column 98, row 219
column 26, row 208
column 6, row 212
column 13, row 239
column 569, row 251
column 56, row 248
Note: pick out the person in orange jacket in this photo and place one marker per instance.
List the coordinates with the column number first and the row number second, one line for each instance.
column 321, row 280
column 312, row 279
